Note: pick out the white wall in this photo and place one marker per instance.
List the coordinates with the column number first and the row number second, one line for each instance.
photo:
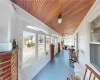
column 19, row 22
column 6, row 12
column 84, row 33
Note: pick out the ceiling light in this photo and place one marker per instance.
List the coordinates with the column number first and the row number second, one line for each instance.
column 44, row 31
column 33, row 27
column 37, row 29
column 60, row 19
column 54, row 35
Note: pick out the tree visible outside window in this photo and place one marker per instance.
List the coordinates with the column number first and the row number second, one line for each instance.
column 28, row 48
column 52, row 40
column 47, row 44
column 41, row 45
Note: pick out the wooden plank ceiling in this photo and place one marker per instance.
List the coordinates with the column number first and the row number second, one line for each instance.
column 47, row 11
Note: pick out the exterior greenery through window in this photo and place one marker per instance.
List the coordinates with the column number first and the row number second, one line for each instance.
column 28, row 48
column 41, row 45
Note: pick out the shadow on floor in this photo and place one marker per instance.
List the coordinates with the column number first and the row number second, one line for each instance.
column 57, row 69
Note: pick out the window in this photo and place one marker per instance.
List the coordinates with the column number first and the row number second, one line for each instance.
column 55, row 41
column 59, row 40
column 47, row 44
column 95, row 55
column 41, row 45
column 56, row 45
column 28, row 48
column 52, row 40
column 68, row 41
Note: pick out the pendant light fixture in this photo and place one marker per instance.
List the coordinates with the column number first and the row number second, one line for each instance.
column 60, row 19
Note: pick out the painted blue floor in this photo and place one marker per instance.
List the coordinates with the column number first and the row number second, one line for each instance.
column 58, row 69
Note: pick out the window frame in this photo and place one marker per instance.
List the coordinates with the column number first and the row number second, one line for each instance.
column 32, row 52
column 36, row 44
column 39, row 57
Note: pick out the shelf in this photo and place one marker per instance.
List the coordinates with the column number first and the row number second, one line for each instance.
column 95, row 43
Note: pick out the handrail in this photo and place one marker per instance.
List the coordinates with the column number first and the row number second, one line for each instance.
column 73, row 77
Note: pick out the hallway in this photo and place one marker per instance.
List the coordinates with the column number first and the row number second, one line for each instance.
column 58, row 69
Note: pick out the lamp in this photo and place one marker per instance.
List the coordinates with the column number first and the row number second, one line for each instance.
column 60, row 19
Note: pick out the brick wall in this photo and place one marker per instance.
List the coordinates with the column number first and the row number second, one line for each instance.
column 9, row 65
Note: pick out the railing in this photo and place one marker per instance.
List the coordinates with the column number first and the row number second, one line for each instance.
column 91, row 72
column 91, row 76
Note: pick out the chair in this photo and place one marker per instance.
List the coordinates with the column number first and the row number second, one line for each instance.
column 92, row 72
column 73, row 57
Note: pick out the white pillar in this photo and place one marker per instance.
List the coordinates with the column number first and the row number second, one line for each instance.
column 6, row 12
column 45, row 44
column 36, row 47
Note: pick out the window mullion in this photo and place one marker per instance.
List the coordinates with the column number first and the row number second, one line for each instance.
column 45, row 44
column 36, row 49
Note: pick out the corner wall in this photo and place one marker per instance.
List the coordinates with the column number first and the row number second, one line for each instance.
column 84, row 34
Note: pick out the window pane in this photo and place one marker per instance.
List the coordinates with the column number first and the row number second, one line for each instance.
column 68, row 41
column 52, row 40
column 41, row 44
column 56, row 45
column 28, row 48
column 59, row 40
column 47, row 44
column 95, row 55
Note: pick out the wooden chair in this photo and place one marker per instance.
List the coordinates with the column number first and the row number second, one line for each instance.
column 73, row 57
column 96, row 76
